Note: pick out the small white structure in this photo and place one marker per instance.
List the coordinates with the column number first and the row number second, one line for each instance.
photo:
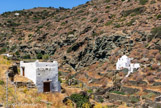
column 17, row 14
column 43, row 74
column 125, row 62
column 7, row 55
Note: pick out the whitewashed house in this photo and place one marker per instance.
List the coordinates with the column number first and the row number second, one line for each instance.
column 43, row 74
column 17, row 14
column 7, row 55
column 125, row 62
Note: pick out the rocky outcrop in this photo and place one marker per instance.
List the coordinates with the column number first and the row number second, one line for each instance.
column 99, row 50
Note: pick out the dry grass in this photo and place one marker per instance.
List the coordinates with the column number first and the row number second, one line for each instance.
column 18, row 78
column 23, row 96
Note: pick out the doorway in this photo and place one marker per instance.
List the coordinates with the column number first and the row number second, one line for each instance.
column 23, row 71
column 46, row 86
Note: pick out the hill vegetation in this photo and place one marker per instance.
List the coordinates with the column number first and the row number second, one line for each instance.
column 87, row 41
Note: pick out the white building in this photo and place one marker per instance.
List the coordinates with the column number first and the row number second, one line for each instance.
column 125, row 62
column 43, row 74
column 7, row 55
column 17, row 14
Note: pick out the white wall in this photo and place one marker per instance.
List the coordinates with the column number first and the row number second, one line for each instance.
column 47, row 71
column 125, row 62
column 30, row 70
column 40, row 72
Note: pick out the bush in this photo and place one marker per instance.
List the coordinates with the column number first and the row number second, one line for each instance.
column 134, row 100
column 117, row 25
column 80, row 11
column 79, row 99
column 107, row 1
column 118, row 92
column 59, row 79
column 1, row 82
column 90, row 91
column 95, row 20
column 159, row 16
column 39, row 56
column 3, row 50
column 59, row 73
column 156, row 32
column 26, row 57
column 17, row 53
column 143, row 2
column 101, row 99
column 108, row 23
column 135, row 11
column 45, row 57
column 10, row 23
column 107, row 7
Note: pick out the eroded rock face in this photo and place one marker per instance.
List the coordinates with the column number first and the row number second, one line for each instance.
column 100, row 49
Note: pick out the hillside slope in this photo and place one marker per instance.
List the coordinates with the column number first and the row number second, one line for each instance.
column 87, row 40
column 82, row 35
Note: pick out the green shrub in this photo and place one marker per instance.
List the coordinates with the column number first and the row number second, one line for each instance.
column 1, row 82
column 90, row 91
column 118, row 92
column 74, row 47
column 108, row 23
column 117, row 25
column 107, row 7
column 59, row 79
column 95, row 20
column 80, row 11
column 152, row 2
column 107, row 1
column 59, row 73
column 69, row 50
column 13, row 47
column 19, row 38
column 156, row 32
column 100, row 99
column 134, row 99
column 135, row 11
column 63, row 23
column 3, row 50
column 39, row 56
column 83, row 19
column 10, row 23
column 159, row 16
column 26, row 57
column 143, row 2
column 79, row 99
column 94, row 34
column 30, row 35
column 149, row 95
column 45, row 57
column 17, row 53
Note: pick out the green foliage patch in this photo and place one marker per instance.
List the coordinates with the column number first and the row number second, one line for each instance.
column 135, row 11
column 79, row 99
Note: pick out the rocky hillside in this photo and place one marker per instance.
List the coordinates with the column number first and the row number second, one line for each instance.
column 83, row 35
column 88, row 39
